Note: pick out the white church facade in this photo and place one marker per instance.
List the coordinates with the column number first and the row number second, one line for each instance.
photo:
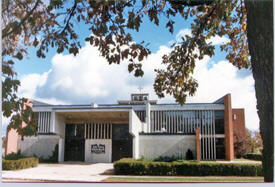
column 135, row 128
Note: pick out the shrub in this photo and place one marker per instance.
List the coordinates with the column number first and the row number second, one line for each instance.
column 142, row 158
column 14, row 156
column 189, row 155
column 166, row 159
column 253, row 156
column 186, row 168
column 21, row 163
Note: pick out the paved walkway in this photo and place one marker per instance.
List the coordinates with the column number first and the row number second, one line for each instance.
column 70, row 172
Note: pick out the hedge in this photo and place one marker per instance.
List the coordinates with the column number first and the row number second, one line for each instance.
column 20, row 163
column 14, row 156
column 186, row 168
column 253, row 156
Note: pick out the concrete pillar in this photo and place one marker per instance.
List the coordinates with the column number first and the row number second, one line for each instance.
column 198, row 145
column 136, row 147
column 228, row 128
column 52, row 129
column 148, row 121
column 61, row 148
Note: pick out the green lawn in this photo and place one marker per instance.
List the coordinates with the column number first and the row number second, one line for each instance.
column 184, row 179
column 246, row 160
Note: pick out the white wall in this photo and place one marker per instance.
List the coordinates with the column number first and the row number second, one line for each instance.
column 153, row 146
column 98, row 157
column 41, row 145
column 59, row 128
column 135, row 127
column 61, row 149
column 59, row 125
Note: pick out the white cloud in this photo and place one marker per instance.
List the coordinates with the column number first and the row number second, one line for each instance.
column 217, row 40
column 30, row 82
column 88, row 78
column 182, row 33
column 221, row 79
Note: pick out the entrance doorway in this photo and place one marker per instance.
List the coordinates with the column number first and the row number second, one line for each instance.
column 121, row 142
column 74, row 142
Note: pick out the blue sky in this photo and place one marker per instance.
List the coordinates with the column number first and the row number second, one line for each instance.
column 155, row 35
column 87, row 77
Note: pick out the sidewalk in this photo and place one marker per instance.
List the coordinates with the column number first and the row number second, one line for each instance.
column 64, row 172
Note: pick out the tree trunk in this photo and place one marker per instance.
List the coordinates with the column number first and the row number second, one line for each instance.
column 260, row 42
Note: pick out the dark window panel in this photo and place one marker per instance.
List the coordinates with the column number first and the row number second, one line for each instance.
column 219, row 122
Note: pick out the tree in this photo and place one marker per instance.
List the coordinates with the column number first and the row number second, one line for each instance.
column 240, row 144
column 22, row 21
column 247, row 23
column 258, row 142
column 250, row 141
column 259, row 31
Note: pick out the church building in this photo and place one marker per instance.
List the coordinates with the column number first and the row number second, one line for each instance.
column 134, row 128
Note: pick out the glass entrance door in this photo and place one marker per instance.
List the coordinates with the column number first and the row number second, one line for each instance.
column 74, row 142
column 121, row 142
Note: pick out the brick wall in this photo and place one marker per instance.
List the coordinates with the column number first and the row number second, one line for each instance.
column 238, row 125
column 238, row 121
column 12, row 135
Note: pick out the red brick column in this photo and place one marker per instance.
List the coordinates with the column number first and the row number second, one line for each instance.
column 12, row 135
column 228, row 128
column 198, row 145
column 11, row 141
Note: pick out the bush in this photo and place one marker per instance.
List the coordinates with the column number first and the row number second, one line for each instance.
column 189, row 155
column 142, row 158
column 186, row 168
column 166, row 159
column 14, row 156
column 253, row 156
column 21, row 163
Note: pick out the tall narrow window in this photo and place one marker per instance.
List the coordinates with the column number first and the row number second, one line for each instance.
column 219, row 122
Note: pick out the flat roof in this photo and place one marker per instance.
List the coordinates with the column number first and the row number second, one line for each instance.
column 117, row 105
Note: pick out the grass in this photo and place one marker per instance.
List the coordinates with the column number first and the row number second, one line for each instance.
column 246, row 160
column 184, row 179
column 202, row 161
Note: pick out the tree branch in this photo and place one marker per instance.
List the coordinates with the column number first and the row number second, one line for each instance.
column 70, row 17
column 5, row 34
column 191, row 2
column 205, row 21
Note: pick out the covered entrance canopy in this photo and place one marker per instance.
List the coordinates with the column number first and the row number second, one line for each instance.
column 114, row 117
column 98, row 135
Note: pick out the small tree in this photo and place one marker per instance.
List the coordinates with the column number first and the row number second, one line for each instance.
column 240, row 147
column 250, row 143
column 258, row 142
column 189, row 155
